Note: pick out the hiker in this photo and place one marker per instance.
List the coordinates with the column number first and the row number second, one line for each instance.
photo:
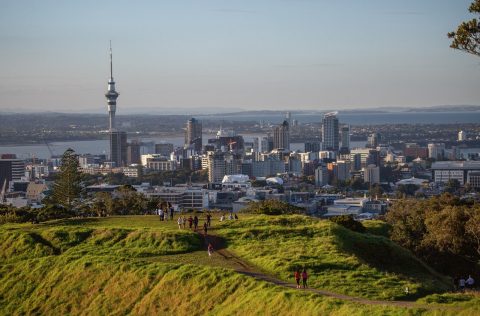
column 160, row 213
column 209, row 218
column 222, row 218
column 190, row 221
column 195, row 222
column 171, row 213
column 210, row 249
column 205, row 228
column 236, row 217
column 180, row 222
column 297, row 277
column 469, row 282
column 230, row 217
column 461, row 284
column 184, row 221
column 304, row 278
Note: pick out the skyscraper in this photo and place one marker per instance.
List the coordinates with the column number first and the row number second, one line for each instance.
column 118, row 140
column 193, row 134
column 281, row 136
column 345, row 137
column 330, row 135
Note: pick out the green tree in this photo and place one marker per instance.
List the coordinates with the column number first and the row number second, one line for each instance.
column 67, row 187
column 467, row 36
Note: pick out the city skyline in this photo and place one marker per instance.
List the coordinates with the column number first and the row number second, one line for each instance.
column 238, row 56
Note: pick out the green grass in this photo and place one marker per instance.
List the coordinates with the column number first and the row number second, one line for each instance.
column 138, row 265
column 337, row 259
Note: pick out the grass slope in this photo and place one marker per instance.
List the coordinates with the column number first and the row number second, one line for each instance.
column 136, row 265
column 338, row 259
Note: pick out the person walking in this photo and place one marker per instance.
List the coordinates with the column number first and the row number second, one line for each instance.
column 297, row 277
column 210, row 249
column 161, row 213
column 205, row 228
column 195, row 222
column 171, row 213
column 469, row 282
column 180, row 222
column 461, row 284
column 190, row 221
column 304, row 278
column 184, row 221
column 209, row 219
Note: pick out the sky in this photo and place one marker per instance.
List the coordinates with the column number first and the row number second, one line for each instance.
column 203, row 55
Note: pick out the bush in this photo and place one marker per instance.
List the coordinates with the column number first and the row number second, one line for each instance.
column 273, row 207
column 347, row 221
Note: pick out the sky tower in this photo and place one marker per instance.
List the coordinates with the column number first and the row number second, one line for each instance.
column 111, row 95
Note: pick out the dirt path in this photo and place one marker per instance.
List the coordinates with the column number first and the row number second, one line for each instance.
column 243, row 267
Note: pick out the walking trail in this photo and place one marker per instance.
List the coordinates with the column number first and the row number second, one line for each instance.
column 243, row 267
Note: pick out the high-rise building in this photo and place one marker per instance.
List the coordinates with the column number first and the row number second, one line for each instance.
column 371, row 174
column 11, row 169
column 133, row 152
column 330, row 134
column 345, row 132
column 373, row 140
column 462, row 136
column 118, row 148
column 164, row 149
column 118, row 140
column 436, row 151
column 193, row 134
column 281, row 136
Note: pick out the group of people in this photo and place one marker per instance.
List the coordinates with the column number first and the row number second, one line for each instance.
column 301, row 275
column 230, row 217
column 466, row 283
column 163, row 214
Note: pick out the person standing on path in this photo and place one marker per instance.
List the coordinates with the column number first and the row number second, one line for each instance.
column 195, row 222
column 190, row 221
column 180, row 222
column 205, row 228
column 461, row 284
column 209, row 218
column 184, row 221
column 470, row 282
column 171, row 213
column 304, row 278
column 297, row 278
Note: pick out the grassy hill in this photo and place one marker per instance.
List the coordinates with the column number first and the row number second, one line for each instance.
column 138, row 265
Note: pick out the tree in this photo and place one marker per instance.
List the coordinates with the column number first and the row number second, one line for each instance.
column 467, row 36
column 67, row 187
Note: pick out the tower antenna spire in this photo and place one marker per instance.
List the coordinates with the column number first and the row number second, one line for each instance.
column 111, row 61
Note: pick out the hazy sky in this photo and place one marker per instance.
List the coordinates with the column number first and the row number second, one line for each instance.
column 259, row 54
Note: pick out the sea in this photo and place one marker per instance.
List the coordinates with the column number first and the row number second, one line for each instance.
column 41, row 151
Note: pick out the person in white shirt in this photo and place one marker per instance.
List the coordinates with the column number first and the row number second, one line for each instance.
column 470, row 282
column 180, row 222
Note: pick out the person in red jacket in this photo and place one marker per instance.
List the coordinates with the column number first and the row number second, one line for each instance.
column 304, row 278
column 297, row 277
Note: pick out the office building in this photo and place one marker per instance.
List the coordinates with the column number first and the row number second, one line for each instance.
column 462, row 136
column 193, row 134
column 164, row 149
column 321, row 176
column 436, row 151
column 10, row 170
column 463, row 171
column 118, row 148
column 133, row 152
column 345, row 135
column 371, row 174
column 374, row 140
column 330, row 133
column 281, row 136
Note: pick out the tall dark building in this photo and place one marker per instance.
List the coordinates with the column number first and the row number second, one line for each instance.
column 164, row 149
column 281, row 136
column 118, row 148
column 193, row 134
column 330, row 134
column 345, row 133
column 11, row 169
column 133, row 152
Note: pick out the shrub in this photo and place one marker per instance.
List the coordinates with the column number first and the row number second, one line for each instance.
column 347, row 221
